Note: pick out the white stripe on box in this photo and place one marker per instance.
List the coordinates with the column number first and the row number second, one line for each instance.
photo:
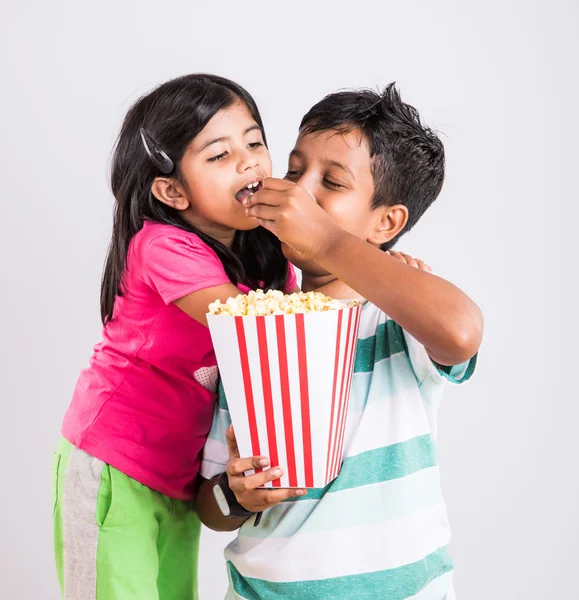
column 338, row 413
column 273, row 358
column 321, row 361
column 257, row 382
column 294, row 385
column 225, row 343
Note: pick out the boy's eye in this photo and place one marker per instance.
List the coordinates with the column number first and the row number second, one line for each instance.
column 255, row 145
column 333, row 184
column 291, row 173
column 218, row 157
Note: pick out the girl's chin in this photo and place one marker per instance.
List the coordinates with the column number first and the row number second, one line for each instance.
column 247, row 225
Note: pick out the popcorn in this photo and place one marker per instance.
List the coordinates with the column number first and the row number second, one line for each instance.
column 274, row 302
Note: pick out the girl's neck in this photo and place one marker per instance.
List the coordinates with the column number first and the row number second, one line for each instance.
column 224, row 235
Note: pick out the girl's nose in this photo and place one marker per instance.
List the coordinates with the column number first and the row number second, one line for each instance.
column 247, row 161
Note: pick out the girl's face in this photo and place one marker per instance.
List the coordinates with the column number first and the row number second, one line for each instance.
column 218, row 166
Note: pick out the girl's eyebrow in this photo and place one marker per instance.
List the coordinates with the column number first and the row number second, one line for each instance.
column 225, row 138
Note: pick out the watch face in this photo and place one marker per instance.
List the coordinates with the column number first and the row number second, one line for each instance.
column 221, row 500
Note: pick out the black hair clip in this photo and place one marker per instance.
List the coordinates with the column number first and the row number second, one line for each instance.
column 157, row 156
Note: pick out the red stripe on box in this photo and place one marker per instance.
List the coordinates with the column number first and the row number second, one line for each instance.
column 352, row 345
column 305, row 401
column 286, row 400
column 241, row 342
column 336, row 365
column 341, row 413
column 267, row 395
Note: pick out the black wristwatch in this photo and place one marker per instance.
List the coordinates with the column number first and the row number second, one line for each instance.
column 228, row 503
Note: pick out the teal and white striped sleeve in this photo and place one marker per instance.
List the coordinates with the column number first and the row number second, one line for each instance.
column 215, row 452
column 427, row 370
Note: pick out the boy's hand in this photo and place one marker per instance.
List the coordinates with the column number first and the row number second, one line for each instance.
column 412, row 262
column 292, row 214
column 244, row 487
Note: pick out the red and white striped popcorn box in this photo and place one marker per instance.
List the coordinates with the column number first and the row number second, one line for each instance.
column 287, row 379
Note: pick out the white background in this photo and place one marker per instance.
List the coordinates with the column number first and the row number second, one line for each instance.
column 498, row 78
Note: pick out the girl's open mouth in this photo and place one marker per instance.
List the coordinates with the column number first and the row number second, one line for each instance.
column 247, row 191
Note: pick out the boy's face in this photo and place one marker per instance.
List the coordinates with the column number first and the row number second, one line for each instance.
column 336, row 169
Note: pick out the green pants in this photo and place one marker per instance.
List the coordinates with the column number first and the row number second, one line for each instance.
column 116, row 539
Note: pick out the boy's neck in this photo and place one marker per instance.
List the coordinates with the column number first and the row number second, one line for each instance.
column 311, row 282
column 329, row 285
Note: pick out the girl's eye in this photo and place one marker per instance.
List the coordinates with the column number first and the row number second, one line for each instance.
column 255, row 145
column 333, row 185
column 291, row 173
column 218, row 157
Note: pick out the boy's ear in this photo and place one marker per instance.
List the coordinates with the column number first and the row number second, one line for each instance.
column 390, row 221
column 168, row 191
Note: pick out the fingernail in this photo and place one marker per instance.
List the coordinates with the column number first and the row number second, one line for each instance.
column 263, row 462
column 301, row 492
column 276, row 473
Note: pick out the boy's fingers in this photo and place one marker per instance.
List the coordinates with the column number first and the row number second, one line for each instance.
column 259, row 500
column 423, row 266
column 396, row 255
column 263, row 212
column 257, row 480
column 272, row 497
column 269, row 197
column 280, row 185
column 238, row 466
column 410, row 261
column 231, row 442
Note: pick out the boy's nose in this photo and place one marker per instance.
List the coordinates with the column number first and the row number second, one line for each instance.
column 308, row 183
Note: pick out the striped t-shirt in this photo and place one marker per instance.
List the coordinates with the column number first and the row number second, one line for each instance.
column 380, row 529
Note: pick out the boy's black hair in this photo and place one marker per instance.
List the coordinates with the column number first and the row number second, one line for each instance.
column 172, row 115
column 407, row 157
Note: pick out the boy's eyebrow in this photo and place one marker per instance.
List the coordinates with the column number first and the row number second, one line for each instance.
column 330, row 163
column 333, row 163
column 225, row 138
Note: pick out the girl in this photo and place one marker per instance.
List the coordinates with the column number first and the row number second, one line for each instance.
column 187, row 156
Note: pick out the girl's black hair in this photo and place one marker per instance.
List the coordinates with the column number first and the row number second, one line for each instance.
column 173, row 114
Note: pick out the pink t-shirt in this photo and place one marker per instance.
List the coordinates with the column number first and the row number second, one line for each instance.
column 145, row 403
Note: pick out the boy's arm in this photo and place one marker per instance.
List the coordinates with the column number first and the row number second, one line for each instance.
column 435, row 312
column 247, row 489
column 339, row 290
column 208, row 511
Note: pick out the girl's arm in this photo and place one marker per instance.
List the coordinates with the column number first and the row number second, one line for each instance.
column 196, row 305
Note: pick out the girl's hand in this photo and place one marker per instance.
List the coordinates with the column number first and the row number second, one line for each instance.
column 412, row 262
column 292, row 214
column 244, row 487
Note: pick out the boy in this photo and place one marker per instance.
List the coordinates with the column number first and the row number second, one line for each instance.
column 362, row 173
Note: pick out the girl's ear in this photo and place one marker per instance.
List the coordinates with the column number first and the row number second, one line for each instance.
column 170, row 192
column 390, row 221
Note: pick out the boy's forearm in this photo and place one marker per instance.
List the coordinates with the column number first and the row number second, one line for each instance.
column 439, row 315
column 208, row 511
